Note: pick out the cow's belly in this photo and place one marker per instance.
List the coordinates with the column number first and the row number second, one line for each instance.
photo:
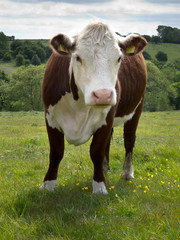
column 76, row 120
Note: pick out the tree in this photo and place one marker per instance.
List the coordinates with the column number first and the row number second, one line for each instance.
column 4, row 46
column 4, row 80
column 147, row 37
column 19, row 60
column 156, row 39
column 146, row 55
column 161, row 56
column 169, row 34
column 7, row 57
column 177, row 63
column 176, row 100
column 157, row 91
column 23, row 93
column 27, row 52
column 35, row 60
column 41, row 54
column 48, row 52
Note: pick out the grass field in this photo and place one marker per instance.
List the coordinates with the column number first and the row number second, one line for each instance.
column 146, row 208
column 172, row 50
column 8, row 67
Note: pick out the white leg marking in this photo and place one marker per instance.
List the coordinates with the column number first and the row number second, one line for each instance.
column 128, row 170
column 99, row 187
column 48, row 185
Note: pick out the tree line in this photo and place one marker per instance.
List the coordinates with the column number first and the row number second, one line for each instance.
column 166, row 34
column 22, row 90
column 23, row 52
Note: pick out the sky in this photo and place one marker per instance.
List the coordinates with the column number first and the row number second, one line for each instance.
column 43, row 19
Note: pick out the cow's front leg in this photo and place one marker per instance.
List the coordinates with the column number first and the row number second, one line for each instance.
column 129, row 141
column 106, row 158
column 97, row 152
column 56, row 141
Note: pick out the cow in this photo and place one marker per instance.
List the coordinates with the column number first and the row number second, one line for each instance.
column 93, row 82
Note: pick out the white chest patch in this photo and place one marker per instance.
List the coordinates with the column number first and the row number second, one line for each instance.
column 75, row 119
column 120, row 120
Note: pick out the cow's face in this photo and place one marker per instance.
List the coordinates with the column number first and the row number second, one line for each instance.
column 96, row 54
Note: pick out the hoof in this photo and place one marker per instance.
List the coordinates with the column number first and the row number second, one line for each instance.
column 127, row 175
column 99, row 188
column 128, row 170
column 48, row 185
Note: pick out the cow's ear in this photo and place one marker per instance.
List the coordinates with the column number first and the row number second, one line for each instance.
column 132, row 44
column 62, row 44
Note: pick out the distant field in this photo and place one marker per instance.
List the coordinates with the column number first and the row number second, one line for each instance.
column 172, row 50
column 146, row 208
column 8, row 67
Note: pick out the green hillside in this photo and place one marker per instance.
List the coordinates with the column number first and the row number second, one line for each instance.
column 172, row 50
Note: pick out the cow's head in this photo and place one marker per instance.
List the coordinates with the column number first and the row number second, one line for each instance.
column 96, row 55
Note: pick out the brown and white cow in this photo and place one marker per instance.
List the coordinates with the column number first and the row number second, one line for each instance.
column 93, row 81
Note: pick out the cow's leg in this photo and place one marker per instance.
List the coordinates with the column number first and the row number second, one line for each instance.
column 106, row 158
column 129, row 141
column 56, row 141
column 97, row 152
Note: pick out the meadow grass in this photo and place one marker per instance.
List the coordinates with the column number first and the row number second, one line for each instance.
column 146, row 207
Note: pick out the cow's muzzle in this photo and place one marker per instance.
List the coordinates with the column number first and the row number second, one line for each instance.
column 102, row 97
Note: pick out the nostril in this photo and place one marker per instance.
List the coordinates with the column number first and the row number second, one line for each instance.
column 110, row 95
column 95, row 95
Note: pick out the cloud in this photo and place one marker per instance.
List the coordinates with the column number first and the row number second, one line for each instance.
column 44, row 19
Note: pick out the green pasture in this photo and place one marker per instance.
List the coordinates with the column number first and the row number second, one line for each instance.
column 145, row 208
column 172, row 50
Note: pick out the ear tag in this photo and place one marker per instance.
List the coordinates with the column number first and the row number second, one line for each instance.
column 130, row 49
column 63, row 49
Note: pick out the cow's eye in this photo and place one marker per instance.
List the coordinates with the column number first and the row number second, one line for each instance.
column 78, row 59
column 119, row 59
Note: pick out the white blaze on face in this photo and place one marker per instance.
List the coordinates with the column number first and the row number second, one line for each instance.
column 95, row 63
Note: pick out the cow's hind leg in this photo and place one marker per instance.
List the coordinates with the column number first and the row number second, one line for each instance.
column 56, row 141
column 129, row 141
